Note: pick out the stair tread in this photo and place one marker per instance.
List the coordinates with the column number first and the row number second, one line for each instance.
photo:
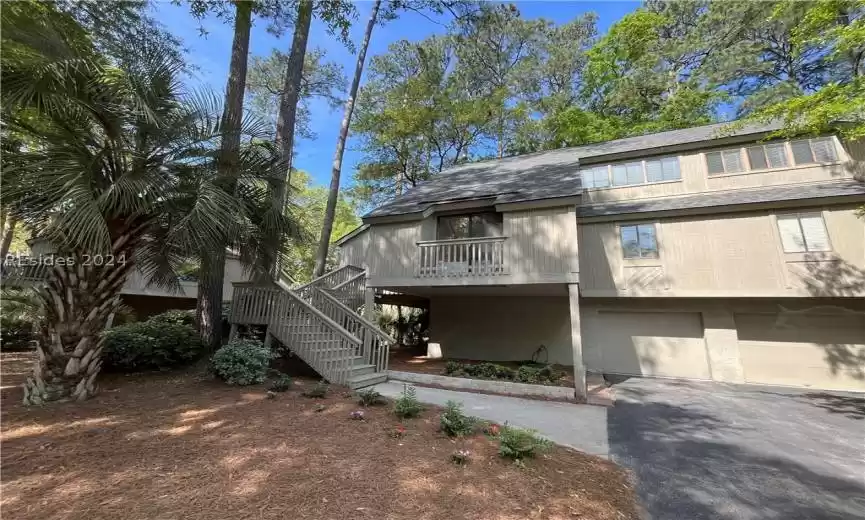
column 366, row 377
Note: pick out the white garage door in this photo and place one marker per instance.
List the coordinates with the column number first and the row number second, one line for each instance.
column 667, row 344
column 814, row 350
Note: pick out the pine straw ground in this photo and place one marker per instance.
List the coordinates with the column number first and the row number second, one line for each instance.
column 173, row 446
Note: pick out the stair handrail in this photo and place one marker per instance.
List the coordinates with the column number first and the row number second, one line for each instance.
column 321, row 278
column 352, row 279
column 336, row 327
column 354, row 314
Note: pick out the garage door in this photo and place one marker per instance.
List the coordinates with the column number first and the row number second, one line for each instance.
column 645, row 343
column 814, row 350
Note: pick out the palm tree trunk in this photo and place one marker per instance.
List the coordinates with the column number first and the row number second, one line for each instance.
column 285, row 123
column 333, row 194
column 8, row 234
column 208, row 309
column 78, row 298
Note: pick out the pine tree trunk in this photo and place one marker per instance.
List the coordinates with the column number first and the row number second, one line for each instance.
column 78, row 299
column 333, row 194
column 285, row 123
column 208, row 309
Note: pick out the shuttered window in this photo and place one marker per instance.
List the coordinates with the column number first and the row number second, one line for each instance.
column 772, row 155
column 803, row 232
column 818, row 150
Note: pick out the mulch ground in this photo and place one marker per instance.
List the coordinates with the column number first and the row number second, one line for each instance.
column 178, row 445
column 406, row 359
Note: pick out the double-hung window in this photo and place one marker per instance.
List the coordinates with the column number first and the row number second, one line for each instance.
column 639, row 241
column 803, row 232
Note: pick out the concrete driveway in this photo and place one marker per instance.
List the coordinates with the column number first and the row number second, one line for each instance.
column 715, row 451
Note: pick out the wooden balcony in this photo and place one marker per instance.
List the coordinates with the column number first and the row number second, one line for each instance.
column 462, row 258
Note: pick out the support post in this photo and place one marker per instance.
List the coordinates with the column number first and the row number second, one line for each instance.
column 268, row 338
column 577, row 341
column 369, row 304
column 232, row 335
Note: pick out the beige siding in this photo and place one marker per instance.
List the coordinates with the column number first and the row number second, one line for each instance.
column 502, row 328
column 725, row 255
column 542, row 241
column 354, row 251
column 392, row 251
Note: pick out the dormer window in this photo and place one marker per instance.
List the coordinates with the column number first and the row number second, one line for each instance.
column 631, row 173
column 769, row 156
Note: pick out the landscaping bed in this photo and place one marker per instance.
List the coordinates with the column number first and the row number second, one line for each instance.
column 408, row 360
column 181, row 445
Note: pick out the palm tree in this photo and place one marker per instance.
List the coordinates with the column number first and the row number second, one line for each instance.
column 120, row 173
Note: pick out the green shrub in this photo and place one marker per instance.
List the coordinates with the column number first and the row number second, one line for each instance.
column 528, row 374
column 176, row 317
column 454, row 423
column 242, row 362
column 454, row 368
column 517, row 443
column 406, row 405
column 150, row 345
column 281, row 384
column 369, row 397
column 319, row 391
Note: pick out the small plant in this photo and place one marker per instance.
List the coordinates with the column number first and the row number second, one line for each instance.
column 271, row 394
column 319, row 408
column 398, row 432
column 406, row 405
column 281, row 384
column 454, row 423
column 356, row 415
column 242, row 362
column 319, row 391
column 460, row 457
column 369, row 397
column 518, row 444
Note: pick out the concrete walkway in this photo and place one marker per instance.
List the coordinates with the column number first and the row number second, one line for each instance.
column 577, row 426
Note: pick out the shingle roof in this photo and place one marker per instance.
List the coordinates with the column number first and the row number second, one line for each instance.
column 540, row 175
column 727, row 198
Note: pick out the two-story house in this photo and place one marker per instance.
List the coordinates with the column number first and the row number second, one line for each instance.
column 697, row 253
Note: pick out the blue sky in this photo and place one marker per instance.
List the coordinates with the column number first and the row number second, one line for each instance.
column 210, row 54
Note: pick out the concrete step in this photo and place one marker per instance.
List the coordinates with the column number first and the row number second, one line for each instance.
column 375, row 378
column 362, row 370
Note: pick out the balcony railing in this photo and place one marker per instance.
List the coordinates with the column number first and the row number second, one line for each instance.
column 461, row 258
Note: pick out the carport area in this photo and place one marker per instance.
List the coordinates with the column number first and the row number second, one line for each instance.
column 702, row 450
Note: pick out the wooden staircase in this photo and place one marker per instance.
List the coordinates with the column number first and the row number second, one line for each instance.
column 319, row 322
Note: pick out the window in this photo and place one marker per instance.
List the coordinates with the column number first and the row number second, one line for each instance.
column 597, row 177
column 639, row 241
column 772, row 155
column 631, row 173
column 627, row 174
column 808, row 151
column 469, row 226
column 659, row 170
column 726, row 161
column 803, row 232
